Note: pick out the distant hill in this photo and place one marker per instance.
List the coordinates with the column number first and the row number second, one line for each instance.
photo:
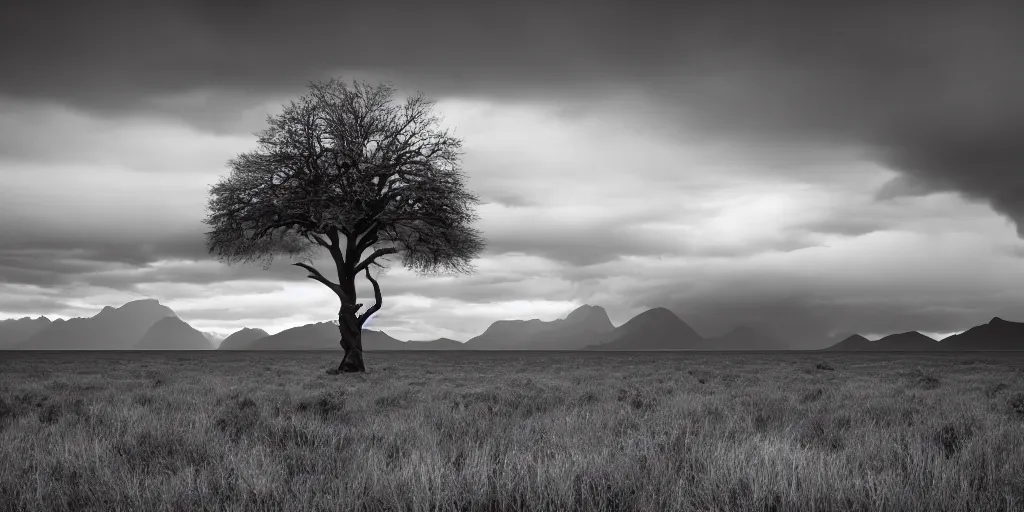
column 855, row 343
column 325, row 336
column 15, row 331
column 172, row 333
column 318, row 336
column 241, row 339
column 741, row 338
column 911, row 341
column 655, row 329
column 996, row 335
column 322, row 336
column 110, row 329
column 438, row 344
column 583, row 326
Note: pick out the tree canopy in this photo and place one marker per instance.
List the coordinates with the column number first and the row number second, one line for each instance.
column 351, row 169
column 348, row 159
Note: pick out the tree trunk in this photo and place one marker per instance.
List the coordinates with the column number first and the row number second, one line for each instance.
column 353, row 359
column 351, row 340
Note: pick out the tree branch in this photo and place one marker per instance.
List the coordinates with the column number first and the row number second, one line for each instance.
column 283, row 224
column 377, row 298
column 319, row 241
column 315, row 275
column 369, row 238
column 365, row 264
column 366, row 242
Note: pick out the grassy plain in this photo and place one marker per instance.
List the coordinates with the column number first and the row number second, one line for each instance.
column 512, row 431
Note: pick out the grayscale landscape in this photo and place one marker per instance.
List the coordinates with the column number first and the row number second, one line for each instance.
column 558, row 255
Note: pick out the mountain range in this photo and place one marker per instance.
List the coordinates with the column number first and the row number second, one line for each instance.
column 324, row 336
column 111, row 329
column 654, row 329
column 14, row 332
column 584, row 326
column 997, row 335
column 148, row 325
column 911, row 341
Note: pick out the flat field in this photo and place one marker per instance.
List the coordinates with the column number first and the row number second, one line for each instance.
column 523, row 431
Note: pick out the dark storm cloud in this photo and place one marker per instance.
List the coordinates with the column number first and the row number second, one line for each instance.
column 54, row 256
column 582, row 248
column 28, row 131
column 15, row 304
column 205, row 272
column 845, row 226
column 987, row 166
column 44, row 267
column 580, row 245
column 100, row 261
column 929, row 88
column 114, row 246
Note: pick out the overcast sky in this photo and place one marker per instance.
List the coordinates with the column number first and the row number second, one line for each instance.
column 808, row 170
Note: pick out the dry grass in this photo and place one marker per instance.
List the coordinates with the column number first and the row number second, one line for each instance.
column 465, row 432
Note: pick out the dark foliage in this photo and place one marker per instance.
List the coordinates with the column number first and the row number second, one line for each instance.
column 347, row 160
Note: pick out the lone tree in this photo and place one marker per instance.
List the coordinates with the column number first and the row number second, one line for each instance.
column 350, row 169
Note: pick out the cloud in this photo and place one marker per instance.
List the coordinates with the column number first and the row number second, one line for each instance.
column 931, row 90
column 18, row 302
column 41, row 133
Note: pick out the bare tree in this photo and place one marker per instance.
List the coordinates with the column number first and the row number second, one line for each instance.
column 353, row 170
